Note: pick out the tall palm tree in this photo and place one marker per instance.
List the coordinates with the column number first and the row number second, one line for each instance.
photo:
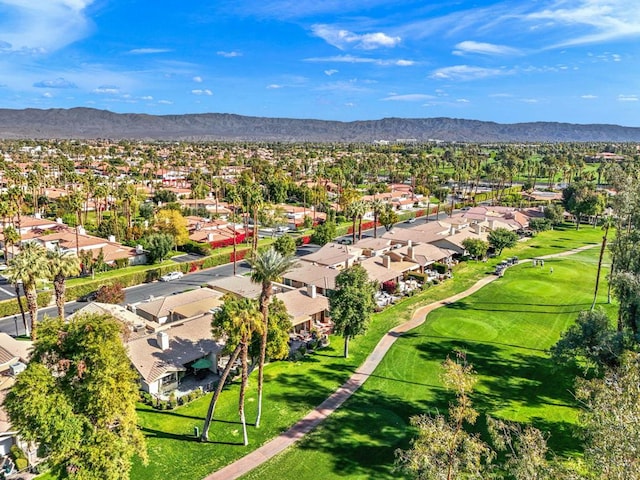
column 28, row 267
column 10, row 238
column 61, row 266
column 267, row 267
column 607, row 224
column 377, row 205
column 237, row 321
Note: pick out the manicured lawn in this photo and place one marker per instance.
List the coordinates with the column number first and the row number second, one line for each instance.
column 408, row 385
column 505, row 329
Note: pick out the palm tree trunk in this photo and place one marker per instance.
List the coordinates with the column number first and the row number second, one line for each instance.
column 24, row 318
column 375, row 224
column 243, row 391
column 264, row 307
column 346, row 346
column 602, row 250
column 204, row 437
column 58, row 286
column 32, row 304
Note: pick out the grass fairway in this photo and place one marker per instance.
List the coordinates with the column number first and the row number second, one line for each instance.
column 505, row 329
column 359, row 440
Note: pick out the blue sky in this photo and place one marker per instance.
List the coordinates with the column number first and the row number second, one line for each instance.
column 511, row 61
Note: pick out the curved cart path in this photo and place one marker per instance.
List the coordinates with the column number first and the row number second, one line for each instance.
column 250, row 461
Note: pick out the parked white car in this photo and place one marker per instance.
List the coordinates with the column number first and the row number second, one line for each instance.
column 171, row 276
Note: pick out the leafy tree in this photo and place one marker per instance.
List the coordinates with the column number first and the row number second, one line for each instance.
column 443, row 450
column 266, row 268
column 77, row 398
column 554, row 213
column 164, row 196
column 61, row 266
column 611, row 421
column 29, row 266
column 285, row 245
column 388, row 217
column 352, row 303
column 110, row 293
column 537, row 225
column 158, row 246
column 324, row 233
column 172, row 223
column 146, row 211
column 476, row 247
column 582, row 199
column 592, row 339
column 501, row 238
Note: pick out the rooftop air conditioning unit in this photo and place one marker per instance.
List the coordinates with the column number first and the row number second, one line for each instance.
column 16, row 368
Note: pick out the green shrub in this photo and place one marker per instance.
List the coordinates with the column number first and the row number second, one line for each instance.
column 21, row 464
column 441, row 268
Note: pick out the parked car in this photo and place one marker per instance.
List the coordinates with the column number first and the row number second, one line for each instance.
column 171, row 276
column 411, row 220
column 89, row 297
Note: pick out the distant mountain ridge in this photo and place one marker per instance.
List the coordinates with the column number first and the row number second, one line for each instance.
column 88, row 123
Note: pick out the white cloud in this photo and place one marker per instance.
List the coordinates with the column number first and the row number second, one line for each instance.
column 344, row 38
column 530, row 100
column 354, row 59
column 470, row 46
column 628, row 98
column 205, row 91
column 605, row 20
column 146, row 97
column 43, row 26
column 47, row 95
column 409, row 97
column 57, row 83
column 330, row 72
column 107, row 89
column 148, row 51
column 197, row 79
column 165, row 102
column 228, row 54
column 589, row 97
column 466, row 72
column 463, row 100
column 274, row 86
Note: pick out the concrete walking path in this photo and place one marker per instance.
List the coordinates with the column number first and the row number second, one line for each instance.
column 250, row 461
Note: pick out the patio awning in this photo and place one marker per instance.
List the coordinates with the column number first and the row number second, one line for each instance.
column 202, row 363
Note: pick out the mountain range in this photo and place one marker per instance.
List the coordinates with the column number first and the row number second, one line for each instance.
column 89, row 123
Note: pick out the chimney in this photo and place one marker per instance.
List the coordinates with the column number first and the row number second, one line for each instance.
column 410, row 252
column 111, row 238
column 37, row 215
column 311, row 291
column 452, row 230
column 386, row 261
column 491, row 224
column 477, row 228
column 59, row 221
column 163, row 340
column 209, row 237
column 409, row 243
column 81, row 230
column 139, row 249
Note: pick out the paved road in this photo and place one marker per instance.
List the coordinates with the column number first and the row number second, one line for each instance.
column 143, row 292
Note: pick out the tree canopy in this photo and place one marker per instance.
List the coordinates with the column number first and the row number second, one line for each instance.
column 352, row 303
column 501, row 238
column 77, row 397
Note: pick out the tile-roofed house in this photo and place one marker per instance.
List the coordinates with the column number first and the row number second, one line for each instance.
column 373, row 246
column 425, row 254
column 388, row 267
column 164, row 357
column 306, row 307
column 13, row 351
column 163, row 309
column 334, row 255
column 418, row 233
column 454, row 242
column 66, row 240
column 242, row 286
column 305, row 273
